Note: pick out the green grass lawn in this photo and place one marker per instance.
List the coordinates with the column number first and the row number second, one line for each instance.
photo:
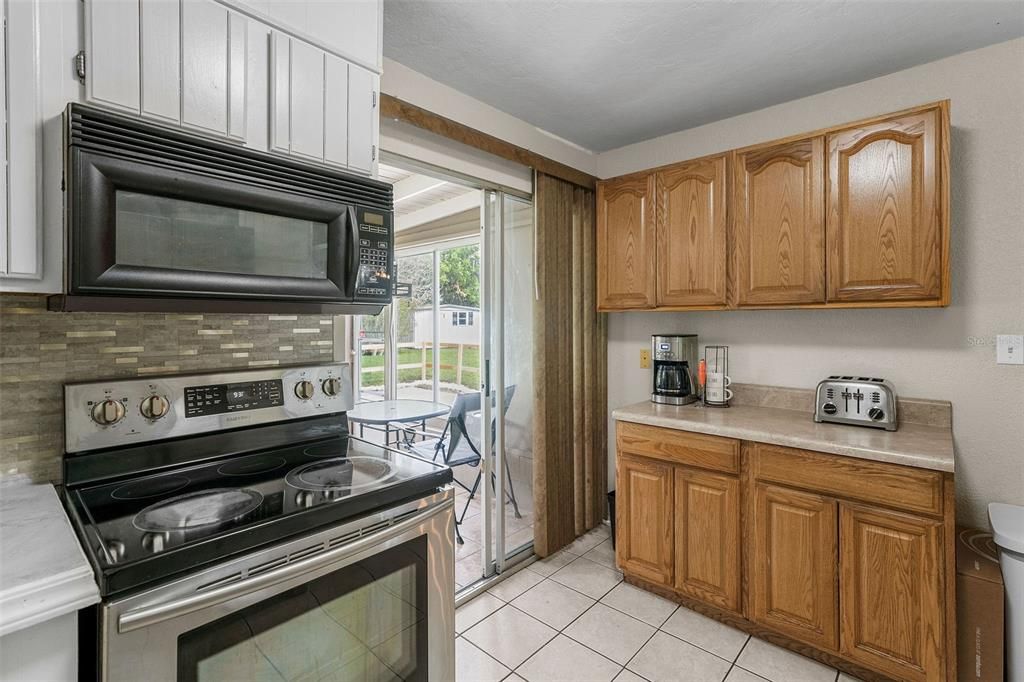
column 411, row 356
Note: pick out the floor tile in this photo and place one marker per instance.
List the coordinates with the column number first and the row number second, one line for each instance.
column 514, row 585
column 471, row 613
column 583, row 575
column 628, row 676
column 667, row 659
column 468, row 569
column 610, row 633
column 602, row 554
column 776, row 663
column 718, row 638
column 563, row 660
column 738, row 674
column 641, row 604
column 553, row 603
column 549, row 565
column 589, row 540
column 510, row 635
column 514, row 678
column 473, row 665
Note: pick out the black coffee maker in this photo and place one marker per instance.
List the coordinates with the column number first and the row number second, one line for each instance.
column 675, row 361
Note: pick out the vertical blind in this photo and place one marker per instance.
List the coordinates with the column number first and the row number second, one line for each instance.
column 570, row 368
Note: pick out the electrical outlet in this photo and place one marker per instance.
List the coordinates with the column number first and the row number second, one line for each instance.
column 1010, row 349
column 645, row 359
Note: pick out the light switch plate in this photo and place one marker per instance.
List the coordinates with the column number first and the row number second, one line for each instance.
column 1010, row 349
column 645, row 359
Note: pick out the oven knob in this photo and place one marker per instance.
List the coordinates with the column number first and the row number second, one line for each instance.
column 876, row 413
column 154, row 407
column 107, row 412
column 332, row 387
column 304, row 390
column 828, row 408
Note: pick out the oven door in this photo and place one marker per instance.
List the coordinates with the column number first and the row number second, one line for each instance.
column 343, row 604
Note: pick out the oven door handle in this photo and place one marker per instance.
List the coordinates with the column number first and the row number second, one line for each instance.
column 158, row 613
column 353, row 252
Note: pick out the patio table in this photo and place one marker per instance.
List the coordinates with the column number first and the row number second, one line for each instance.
column 400, row 411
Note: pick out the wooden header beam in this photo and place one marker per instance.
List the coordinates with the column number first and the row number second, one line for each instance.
column 394, row 108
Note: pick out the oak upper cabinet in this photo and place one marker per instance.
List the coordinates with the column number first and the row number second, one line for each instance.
column 644, row 512
column 794, row 564
column 690, row 211
column 707, row 537
column 778, row 223
column 887, row 226
column 892, row 592
column 626, row 255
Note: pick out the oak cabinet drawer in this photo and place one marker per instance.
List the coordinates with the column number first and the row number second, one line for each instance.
column 680, row 447
column 890, row 485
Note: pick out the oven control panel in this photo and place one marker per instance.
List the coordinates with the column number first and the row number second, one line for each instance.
column 376, row 256
column 122, row 412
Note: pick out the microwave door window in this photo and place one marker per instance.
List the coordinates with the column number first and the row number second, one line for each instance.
column 163, row 232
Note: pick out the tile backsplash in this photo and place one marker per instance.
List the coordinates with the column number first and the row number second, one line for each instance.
column 40, row 351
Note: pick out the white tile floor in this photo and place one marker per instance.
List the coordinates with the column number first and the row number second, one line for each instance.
column 570, row 617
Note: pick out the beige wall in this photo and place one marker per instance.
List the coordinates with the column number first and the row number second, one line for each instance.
column 943, row 354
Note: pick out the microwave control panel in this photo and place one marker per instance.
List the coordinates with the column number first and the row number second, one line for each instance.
column 376, row 256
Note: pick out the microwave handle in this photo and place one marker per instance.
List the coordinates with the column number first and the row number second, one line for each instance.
column 158, row 613
column 353, row 251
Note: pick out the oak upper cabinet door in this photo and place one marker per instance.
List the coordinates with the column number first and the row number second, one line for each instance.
column 707, row 537
column 778, row 223
column 644, row 513
column 307, row 100
column 160, row 29
column 891, row 592
column 793, row 564
column 112, row 51
column 362, row 117
column 204, row 65
column 691, row 225
column 626, row 243
column 888, row 224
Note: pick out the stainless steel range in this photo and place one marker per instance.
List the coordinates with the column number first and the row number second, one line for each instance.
column 239, row 533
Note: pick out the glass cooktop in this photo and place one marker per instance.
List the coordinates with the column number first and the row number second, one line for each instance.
column 155, row 525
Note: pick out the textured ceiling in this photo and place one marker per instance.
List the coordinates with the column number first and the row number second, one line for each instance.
column 606, row 74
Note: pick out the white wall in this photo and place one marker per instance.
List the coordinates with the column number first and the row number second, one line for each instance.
column 939, row 353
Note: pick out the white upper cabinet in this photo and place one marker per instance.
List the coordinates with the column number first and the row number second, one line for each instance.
column 112, row 53
column 160, row 45
column 306, row 100
column 362, row 118
column 347, row 28
column 336, row 110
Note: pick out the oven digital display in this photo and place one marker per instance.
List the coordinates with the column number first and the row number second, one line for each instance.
column 663, row 346
column 201, row 401
column 373, row 218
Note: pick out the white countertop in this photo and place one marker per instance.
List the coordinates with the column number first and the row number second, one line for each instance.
column 915, row 445
column 43, row 572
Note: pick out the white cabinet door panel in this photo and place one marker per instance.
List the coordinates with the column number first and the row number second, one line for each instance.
column 204, row 72
column 112, row 52
column 160, row 27
column 351, row 27
column 307, row 100
column 336, row 111
column 238, row 40
column 280, row 91
column 257, row 86
column 361, row 112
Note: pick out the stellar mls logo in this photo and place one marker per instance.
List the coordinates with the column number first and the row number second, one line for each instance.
column 237, row 418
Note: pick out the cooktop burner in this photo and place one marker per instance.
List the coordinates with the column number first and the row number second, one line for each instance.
column 173, row 521
column 198, row 509
column 137, row 490
column 342, row 473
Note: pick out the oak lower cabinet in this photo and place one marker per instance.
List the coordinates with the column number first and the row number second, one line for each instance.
column 626, row 244
column 795, row 564
column 644, row 511
column 843, row 559
column 892, row 592
column 707, row 537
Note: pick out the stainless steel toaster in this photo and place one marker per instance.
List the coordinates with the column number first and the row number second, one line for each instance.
column 863, row 401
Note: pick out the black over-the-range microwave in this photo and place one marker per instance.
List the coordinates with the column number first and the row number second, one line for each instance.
column 160, row 220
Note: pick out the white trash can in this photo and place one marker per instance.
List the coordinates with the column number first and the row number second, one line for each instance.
column 1008, row 532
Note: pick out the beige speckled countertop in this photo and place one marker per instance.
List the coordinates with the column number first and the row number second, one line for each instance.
column 924, row 446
